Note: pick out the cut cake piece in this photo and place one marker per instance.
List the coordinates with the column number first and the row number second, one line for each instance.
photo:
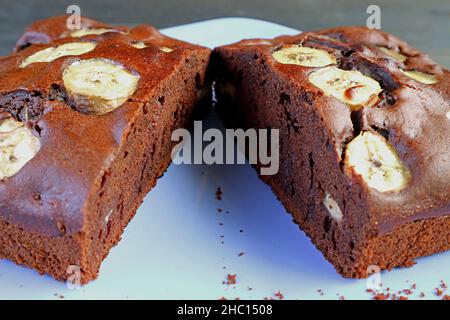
column 364, row 139
column 85, row 131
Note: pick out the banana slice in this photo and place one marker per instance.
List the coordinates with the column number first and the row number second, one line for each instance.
column 448, row 115
column 393, row 54
column 304, row 56
column 99, row 86
column 18, row 145
column 139, row 45
column 142, row 45
column 166, row 49
column 53, row 53
column 7, row 125
column 372, row 157
column 419, row 76
column 87, row 31
column 332, row 207
column 350, row 87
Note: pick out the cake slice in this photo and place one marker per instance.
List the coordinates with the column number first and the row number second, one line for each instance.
column 364, row 124
column 85, row 131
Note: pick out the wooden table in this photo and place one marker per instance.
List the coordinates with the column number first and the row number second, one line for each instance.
column 424, row 24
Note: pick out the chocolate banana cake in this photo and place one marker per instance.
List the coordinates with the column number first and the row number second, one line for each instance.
column 85, row 131
column 364, row 122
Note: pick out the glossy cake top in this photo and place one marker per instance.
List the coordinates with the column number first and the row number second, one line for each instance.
column 386, row 107
column 69, row 98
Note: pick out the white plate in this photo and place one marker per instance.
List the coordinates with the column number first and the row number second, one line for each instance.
column 172, row 249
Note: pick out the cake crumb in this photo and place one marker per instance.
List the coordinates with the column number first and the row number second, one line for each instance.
column 219, row 193
column 438, row 292
column 279, row 295
column 407, row 292
column 381, row 296
column 231, row 279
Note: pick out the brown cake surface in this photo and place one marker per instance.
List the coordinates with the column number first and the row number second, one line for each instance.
column 97, row 112
column 364, row 144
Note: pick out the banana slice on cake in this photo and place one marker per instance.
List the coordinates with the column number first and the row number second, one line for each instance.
column 304, row 56
column 166, row 49
column 419, row 76
column 18, row 145
column 142, row 45
column 139, row 45
column 53, row 53
column 393, row 54
column 99, row 86
column 372, row 157
column 350, row 87
column 90, row 31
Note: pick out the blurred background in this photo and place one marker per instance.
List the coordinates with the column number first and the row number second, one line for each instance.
column 424, row 24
